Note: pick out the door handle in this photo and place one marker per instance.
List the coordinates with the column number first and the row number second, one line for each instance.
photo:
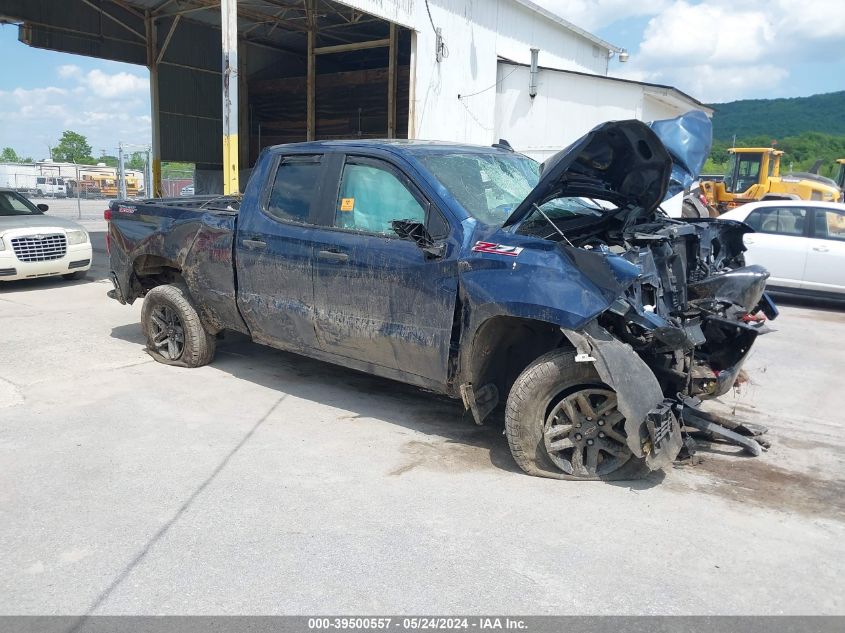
column 821, row 249
column 254, row 245
column 333, row 256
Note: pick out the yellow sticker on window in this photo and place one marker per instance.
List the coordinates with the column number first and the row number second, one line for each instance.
column 347, row 204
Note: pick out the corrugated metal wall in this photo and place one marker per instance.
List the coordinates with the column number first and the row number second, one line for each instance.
column 190, row 100
column 84, row 31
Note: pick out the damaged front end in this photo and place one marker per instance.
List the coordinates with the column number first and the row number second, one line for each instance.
column 684, row 309
column 680, row 331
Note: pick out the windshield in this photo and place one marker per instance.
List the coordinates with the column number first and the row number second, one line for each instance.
column 488, row 186
column 12, row 203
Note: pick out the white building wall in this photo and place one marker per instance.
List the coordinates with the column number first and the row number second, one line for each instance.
column 566, row 107
column 477, row 33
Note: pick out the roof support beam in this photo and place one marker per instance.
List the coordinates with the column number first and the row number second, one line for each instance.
column 154, row 189
column 167, row 39
column 126, row 7
column 355, row 46
column 116, row 20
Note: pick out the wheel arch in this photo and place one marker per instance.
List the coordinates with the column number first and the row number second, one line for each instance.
column 149, row 271
column 502, row 346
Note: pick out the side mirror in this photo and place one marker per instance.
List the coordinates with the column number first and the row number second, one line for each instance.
column 416, row 232
column 42, row 207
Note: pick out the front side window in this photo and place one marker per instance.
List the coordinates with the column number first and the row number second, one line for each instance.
column 778, row 220
column 371, row 197
column 489, row 186
column 294, row 189
column 830, row 224
column 13, row 204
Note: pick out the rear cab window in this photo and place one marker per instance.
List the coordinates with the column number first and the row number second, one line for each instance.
column 294, row 192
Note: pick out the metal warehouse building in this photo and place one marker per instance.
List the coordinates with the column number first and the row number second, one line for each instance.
column 463, row 70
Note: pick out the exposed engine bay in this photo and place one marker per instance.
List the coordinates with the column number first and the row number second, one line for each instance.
column 688, row 311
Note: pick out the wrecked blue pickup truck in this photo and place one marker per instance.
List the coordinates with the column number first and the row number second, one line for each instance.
column 559, row 294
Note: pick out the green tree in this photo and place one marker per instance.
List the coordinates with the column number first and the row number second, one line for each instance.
column 72, row 148
column 9, row 155
column 137, row 160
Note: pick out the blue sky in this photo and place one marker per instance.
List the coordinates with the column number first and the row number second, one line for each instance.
column 43, row 93
column 722, row 50
column 717, row 51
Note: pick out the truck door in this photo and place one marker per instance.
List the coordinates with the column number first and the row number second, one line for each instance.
column 273, row 255
column 825, row 270
column 381, row 299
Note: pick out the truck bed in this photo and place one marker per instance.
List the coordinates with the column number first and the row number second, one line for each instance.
column 188, row 239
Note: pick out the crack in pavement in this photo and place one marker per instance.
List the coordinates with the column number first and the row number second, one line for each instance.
column 164, row 529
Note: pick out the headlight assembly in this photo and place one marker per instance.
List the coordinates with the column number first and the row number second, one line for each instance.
column 76, row 237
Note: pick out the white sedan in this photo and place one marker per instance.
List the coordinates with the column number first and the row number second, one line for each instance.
column 800, row 242
column 36, row 245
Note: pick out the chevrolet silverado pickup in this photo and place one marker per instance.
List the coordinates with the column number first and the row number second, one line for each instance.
column 560, row 295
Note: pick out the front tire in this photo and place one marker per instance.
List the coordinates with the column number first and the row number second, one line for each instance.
column 174, row 331
column 562, row 422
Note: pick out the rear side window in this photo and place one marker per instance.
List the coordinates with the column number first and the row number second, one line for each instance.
column 294, row 189
column 830, row 224
column 778, row 220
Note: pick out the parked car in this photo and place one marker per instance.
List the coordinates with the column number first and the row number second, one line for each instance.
column 187, row 190
column 33, row 244
column 464, row 270
column 800, row 242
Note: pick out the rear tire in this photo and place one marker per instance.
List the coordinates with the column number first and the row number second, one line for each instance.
column 537, row 422
column 175, row 334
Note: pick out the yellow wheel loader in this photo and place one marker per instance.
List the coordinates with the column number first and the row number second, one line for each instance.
column 754, row 174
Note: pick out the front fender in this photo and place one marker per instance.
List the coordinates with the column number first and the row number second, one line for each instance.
column 547, row 284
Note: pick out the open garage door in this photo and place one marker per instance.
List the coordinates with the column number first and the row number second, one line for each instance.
column 307, row 69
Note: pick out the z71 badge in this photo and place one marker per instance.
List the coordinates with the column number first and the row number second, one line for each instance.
column 497, row 249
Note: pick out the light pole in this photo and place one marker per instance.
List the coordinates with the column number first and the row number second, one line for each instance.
column 121, row 172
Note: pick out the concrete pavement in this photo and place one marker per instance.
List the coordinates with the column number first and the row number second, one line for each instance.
column 269, row 483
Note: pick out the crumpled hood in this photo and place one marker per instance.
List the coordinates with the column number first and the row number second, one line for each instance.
column 36, row 221
column 688, row 139
column 623, row 162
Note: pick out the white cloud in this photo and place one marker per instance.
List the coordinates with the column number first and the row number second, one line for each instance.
column 594, row 14
column 720, row 50
column 119, row 85
column 122, row 85
column 106, row 107
column 69, row 70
